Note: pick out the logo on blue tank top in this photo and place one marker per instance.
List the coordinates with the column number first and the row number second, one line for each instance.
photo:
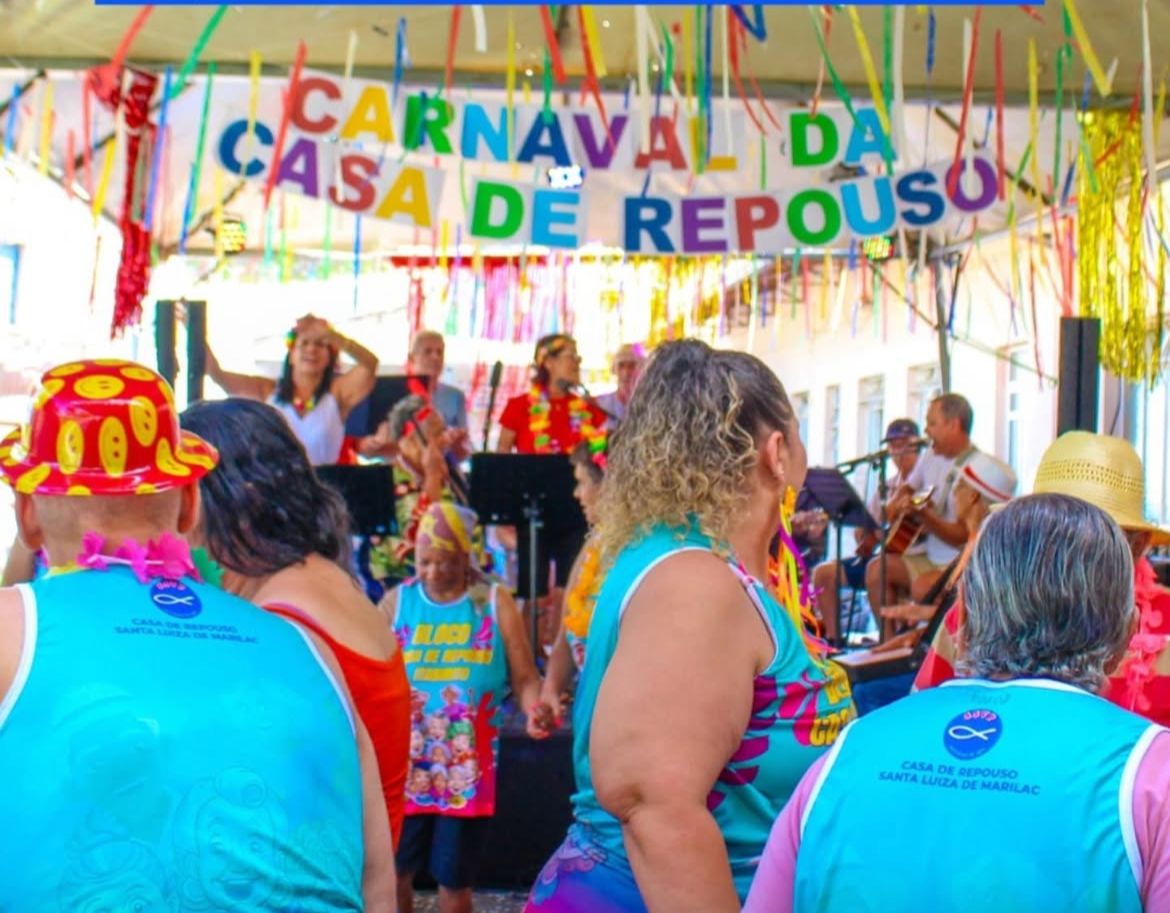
column 175, row 598
column 972, row 733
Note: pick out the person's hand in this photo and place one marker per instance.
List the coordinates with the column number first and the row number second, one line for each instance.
column 433, row 460
column 459, row 442
column 543, row 720
column 506, row 536
column 319, row 328
column 907, row 611
column 378, row 444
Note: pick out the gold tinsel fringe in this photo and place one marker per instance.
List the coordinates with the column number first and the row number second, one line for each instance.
column 1112, row 256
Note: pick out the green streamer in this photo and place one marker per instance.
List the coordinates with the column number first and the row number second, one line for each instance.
column 327, row 243
column 668, row 67
column 268, row 237
column 1064, row 50
column 188, row 66
column 834, row 78
column 547, row 112
column 700, row 165
column 200, row 144
column 1016, row 183
column 888, row 56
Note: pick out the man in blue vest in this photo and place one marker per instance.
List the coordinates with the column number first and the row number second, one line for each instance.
column 164, row 745
column 1015, row 788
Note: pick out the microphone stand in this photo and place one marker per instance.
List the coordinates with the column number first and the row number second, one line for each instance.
column 878, row 460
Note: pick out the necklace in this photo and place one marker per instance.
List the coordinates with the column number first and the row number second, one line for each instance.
column 580, row 422
column 581, row 599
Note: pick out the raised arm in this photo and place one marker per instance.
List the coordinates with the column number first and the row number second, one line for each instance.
column 355, row 384
column 249, row 386
column 670, row 714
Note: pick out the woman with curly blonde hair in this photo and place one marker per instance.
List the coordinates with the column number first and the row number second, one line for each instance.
column 702, row 700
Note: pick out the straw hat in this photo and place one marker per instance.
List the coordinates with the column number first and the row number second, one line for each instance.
column 1105, row 471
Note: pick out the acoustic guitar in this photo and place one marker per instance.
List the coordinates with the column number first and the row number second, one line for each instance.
column 907, row 529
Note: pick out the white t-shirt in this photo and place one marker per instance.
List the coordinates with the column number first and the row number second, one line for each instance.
column 941, row 473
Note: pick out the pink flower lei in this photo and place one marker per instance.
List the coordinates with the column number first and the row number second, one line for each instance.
column 168, row 557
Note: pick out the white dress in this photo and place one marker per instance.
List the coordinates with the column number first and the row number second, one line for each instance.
column 320, row 429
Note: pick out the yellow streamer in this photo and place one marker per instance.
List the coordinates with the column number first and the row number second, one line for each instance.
column 253, row 100
column 46, row 127
column 217, row 213
column 99, row 197
column 594, row 40
column 1034, row 128
column 1103, row 81
column 444, row 240
column 875, row 87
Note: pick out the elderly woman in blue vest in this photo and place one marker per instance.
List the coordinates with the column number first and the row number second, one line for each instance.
column 462, row 639
column 312, row 395
column 702, row 701
column 928, row 784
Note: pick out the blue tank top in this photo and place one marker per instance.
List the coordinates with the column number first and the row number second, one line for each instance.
column 167, row 746
column 458, row 670
column 798, row 707
column 988, row 798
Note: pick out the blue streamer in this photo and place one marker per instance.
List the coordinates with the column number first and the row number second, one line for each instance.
column 1068, row 181
column 10, row 123
column 657, row 112
column 399, row 60
column 357, row 258
column 156, row 153
column 707, row 83
column 931, row 34
column 852, row 254
column 756, row 26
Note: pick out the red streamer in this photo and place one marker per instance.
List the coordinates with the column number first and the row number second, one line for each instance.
column 827, row 12
column 1031, row 12
column 591, row 83
column 452, row 39
column 87, row 137
column 968, row 91
column 554, row 49
column 1000, row 158
column 128, row 38
column 733, row 47
column 282, row 132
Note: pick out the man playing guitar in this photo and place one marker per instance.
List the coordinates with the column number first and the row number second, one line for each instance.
column 948, row 425
column 902, row 440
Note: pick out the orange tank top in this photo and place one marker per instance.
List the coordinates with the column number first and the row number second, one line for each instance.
column 381, row 696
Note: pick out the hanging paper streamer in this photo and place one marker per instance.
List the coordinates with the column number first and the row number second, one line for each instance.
column 189, row 64
column 1148, row 107
column 480, row 24
column 70, row 169
column 282, row 131
column 357, row 259
column 10, row 120
column 728, row 135
column 217, row 213
column 1000, row 157
column 589, row 28
column 898, row 113
column 254, row 66
column 1103, row 81
column 452, row 41
column 156, row 152
column 197, row 164
column 968, row 91
column 99, row 197
column 400, row 60
column 871, row 77
column 46, row 128
column 642, row 32
column 554, row 47
column 838, row 87
column 128, row 37
column 510, row 87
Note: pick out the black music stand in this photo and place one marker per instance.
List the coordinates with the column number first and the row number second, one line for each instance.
column 533, row 491
column 830, row 491
column 369, row 495
column 364, row 419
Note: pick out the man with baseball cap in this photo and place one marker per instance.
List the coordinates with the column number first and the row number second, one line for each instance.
column 902, row 441
column 159, row 737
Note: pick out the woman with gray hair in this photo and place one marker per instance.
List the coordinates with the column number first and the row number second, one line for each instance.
column 928, row 783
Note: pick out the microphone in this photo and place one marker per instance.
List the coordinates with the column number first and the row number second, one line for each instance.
column 494, row 384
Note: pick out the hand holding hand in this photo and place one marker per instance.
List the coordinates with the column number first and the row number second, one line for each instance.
column 543, row 720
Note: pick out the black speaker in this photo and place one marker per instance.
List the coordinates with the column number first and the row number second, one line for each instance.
column 533, row 812
column 1080, row 374
column 196, row 349
column 164, row 340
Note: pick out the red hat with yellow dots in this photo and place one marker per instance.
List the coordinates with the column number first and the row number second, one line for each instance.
column 103, row 427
